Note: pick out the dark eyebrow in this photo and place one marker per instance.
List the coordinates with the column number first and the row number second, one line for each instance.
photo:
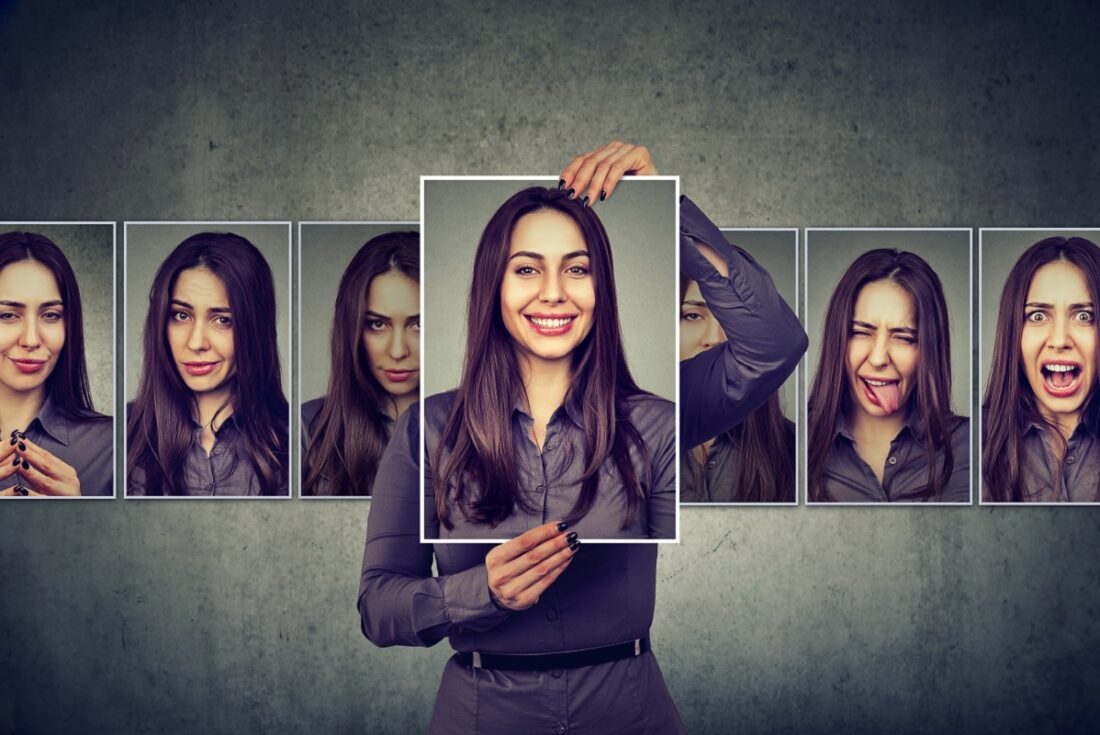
column 540, row 256
column 375, row 316
column 214, row 310
column 895, row 330
column 694, row 303
column 21, row 305
column 1038, row 305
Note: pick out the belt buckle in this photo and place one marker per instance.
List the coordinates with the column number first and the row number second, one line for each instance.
column 637, row 646
column 476, row 659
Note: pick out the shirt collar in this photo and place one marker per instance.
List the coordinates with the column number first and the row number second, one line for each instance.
column 843, row 429
column 53, row 422
column 572, row 407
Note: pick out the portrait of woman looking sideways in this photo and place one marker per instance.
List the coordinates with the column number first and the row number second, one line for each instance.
column 548, row 635
column 210, row 417
column 375, row 369
column 752, row 461
column 1040, row 414
column 881, row 428
column 57, row 444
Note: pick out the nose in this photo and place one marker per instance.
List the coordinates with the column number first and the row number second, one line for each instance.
column 196, row 341
column 551, row 290
column 30, row 340
column 398, row 348
column 880, row 355
column 713, row 334
column 1059, row 333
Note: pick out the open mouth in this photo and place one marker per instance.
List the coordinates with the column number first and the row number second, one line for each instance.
column 882, row 392
column 200, row 368
column 1061, row 379
column 28, row 366
column 551, row 325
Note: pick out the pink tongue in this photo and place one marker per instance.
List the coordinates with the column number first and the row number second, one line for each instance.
column 887, row 396
column 1060, row 380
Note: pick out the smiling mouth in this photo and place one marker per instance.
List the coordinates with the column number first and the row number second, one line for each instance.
column 1061, row 379
column 28, row 366
column 882, row 392
column 200, row 368
column 551, row 325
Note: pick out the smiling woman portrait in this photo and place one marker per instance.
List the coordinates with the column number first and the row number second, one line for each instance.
column 881, row 424
column 374, row 369
column 55, row 442
column 209, row 417
column 1040, row 415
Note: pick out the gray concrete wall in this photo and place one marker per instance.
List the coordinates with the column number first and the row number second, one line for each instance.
column 239, row 617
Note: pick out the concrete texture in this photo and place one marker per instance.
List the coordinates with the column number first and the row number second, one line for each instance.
column 239, row 617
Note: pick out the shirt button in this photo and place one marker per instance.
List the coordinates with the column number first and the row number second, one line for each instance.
column 209, row 488
column 217, row 450
column 893, row 460
column 551, row 615
column 556, row 673
column 711, row 464
column 1069, row 459
column 560, row 729
column 540, row 488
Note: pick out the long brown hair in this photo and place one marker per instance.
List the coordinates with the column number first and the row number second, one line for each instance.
column 350, row 432
column 767, row 450
column 1009, row 404
column 930, row 400
column 476, row 441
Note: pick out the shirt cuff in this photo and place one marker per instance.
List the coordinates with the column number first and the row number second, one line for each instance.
column 467, row 601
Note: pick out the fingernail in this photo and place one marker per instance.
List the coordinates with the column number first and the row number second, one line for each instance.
column 26, row 464
column 562, row 526
column 584, row 202
column 22, row 447
column 15, row 462
column 13, row 440
column 575, row 545
column 570, row 193
column 22, row 435
column 14, row 432
column 603, row 195
column 561, row 183
column 571, row 538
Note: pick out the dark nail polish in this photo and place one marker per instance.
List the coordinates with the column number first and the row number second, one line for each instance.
column 13, row 440
column 603, row 195
column 561, row 184
column 26, row 464
column 22, row 435
column 14, row 432
column 570, row 192
column 575, row 545
column 584, row 202
column 15, row 462
column 562, row 526
column 22, row 447
column 571, row 538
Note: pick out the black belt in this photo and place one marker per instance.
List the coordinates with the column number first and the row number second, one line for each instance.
column 549, row 661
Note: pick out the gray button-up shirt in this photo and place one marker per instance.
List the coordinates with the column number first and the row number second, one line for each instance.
column 606, row 596
column 849, row 479
column 310, row 410
column 226, row 471
column 718, row 479
column 552, row 478
column 86, row 445
column 1076, row 479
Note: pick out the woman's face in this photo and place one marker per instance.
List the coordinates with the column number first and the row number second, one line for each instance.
column 547, row 298
column 200, row 330
column 32, row 325
column 1058, row 341
column 699, row 330
column 391, row 335
column 882, row 348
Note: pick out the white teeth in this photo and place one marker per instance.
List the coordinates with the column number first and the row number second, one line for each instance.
column 877, row 383
column 1060, row 368
column 550, row 323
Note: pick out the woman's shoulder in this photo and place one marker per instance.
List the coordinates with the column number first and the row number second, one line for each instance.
column 92, row 431
column 310, row 410
column 652, row 415
column 438, row 407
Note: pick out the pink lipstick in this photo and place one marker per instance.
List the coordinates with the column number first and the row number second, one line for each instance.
column 27, row 365
column 200, row 368
column 550, row 325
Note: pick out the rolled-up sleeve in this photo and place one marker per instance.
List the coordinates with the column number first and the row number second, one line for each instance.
column 400, row 601
column 720, row 387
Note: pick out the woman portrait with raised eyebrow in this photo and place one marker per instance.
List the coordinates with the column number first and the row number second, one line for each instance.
column 549, row 635
column 1041, row 418
column 210, row 417
column 56, row 443
column 374, row 375
column 881, row 427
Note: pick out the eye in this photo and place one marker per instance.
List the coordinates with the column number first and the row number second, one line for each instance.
column 906, row 339
column 577, row 270
column 1035, row 317
column 224, row 322
column 415, row 325
column 525, row 270
column 859, row 333
column 692, row 316
column 376, row 325
column 179, row 316
column 8, row 316
column 1085, row 317
column 52, row 315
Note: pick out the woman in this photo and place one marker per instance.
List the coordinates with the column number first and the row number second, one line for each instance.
column 375, row 372
column 753, row 462
column 59, row 445
column 210, row 417
column 881, row 426
column 568, row 634
column 1041, row 416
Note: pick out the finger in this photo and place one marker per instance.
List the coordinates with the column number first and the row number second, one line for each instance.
column 571, row 177
column 629, row 160
column 534, row 592
column 524, row 543
column 36, row 480
column 534, row 574
column 510, row 571
column 583, row 177
column 44, row 461
column 7, row 453
column 8, row 467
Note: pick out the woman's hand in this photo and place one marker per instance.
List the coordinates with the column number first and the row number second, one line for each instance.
column 521, row 569
column 599, row 171
column 41, row 471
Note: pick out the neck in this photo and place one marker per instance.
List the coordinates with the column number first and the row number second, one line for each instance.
column 209, row 403
column 18, row 408
column 397, row 404
column 545, row 381
column 867, row 429
column 1066, row 422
